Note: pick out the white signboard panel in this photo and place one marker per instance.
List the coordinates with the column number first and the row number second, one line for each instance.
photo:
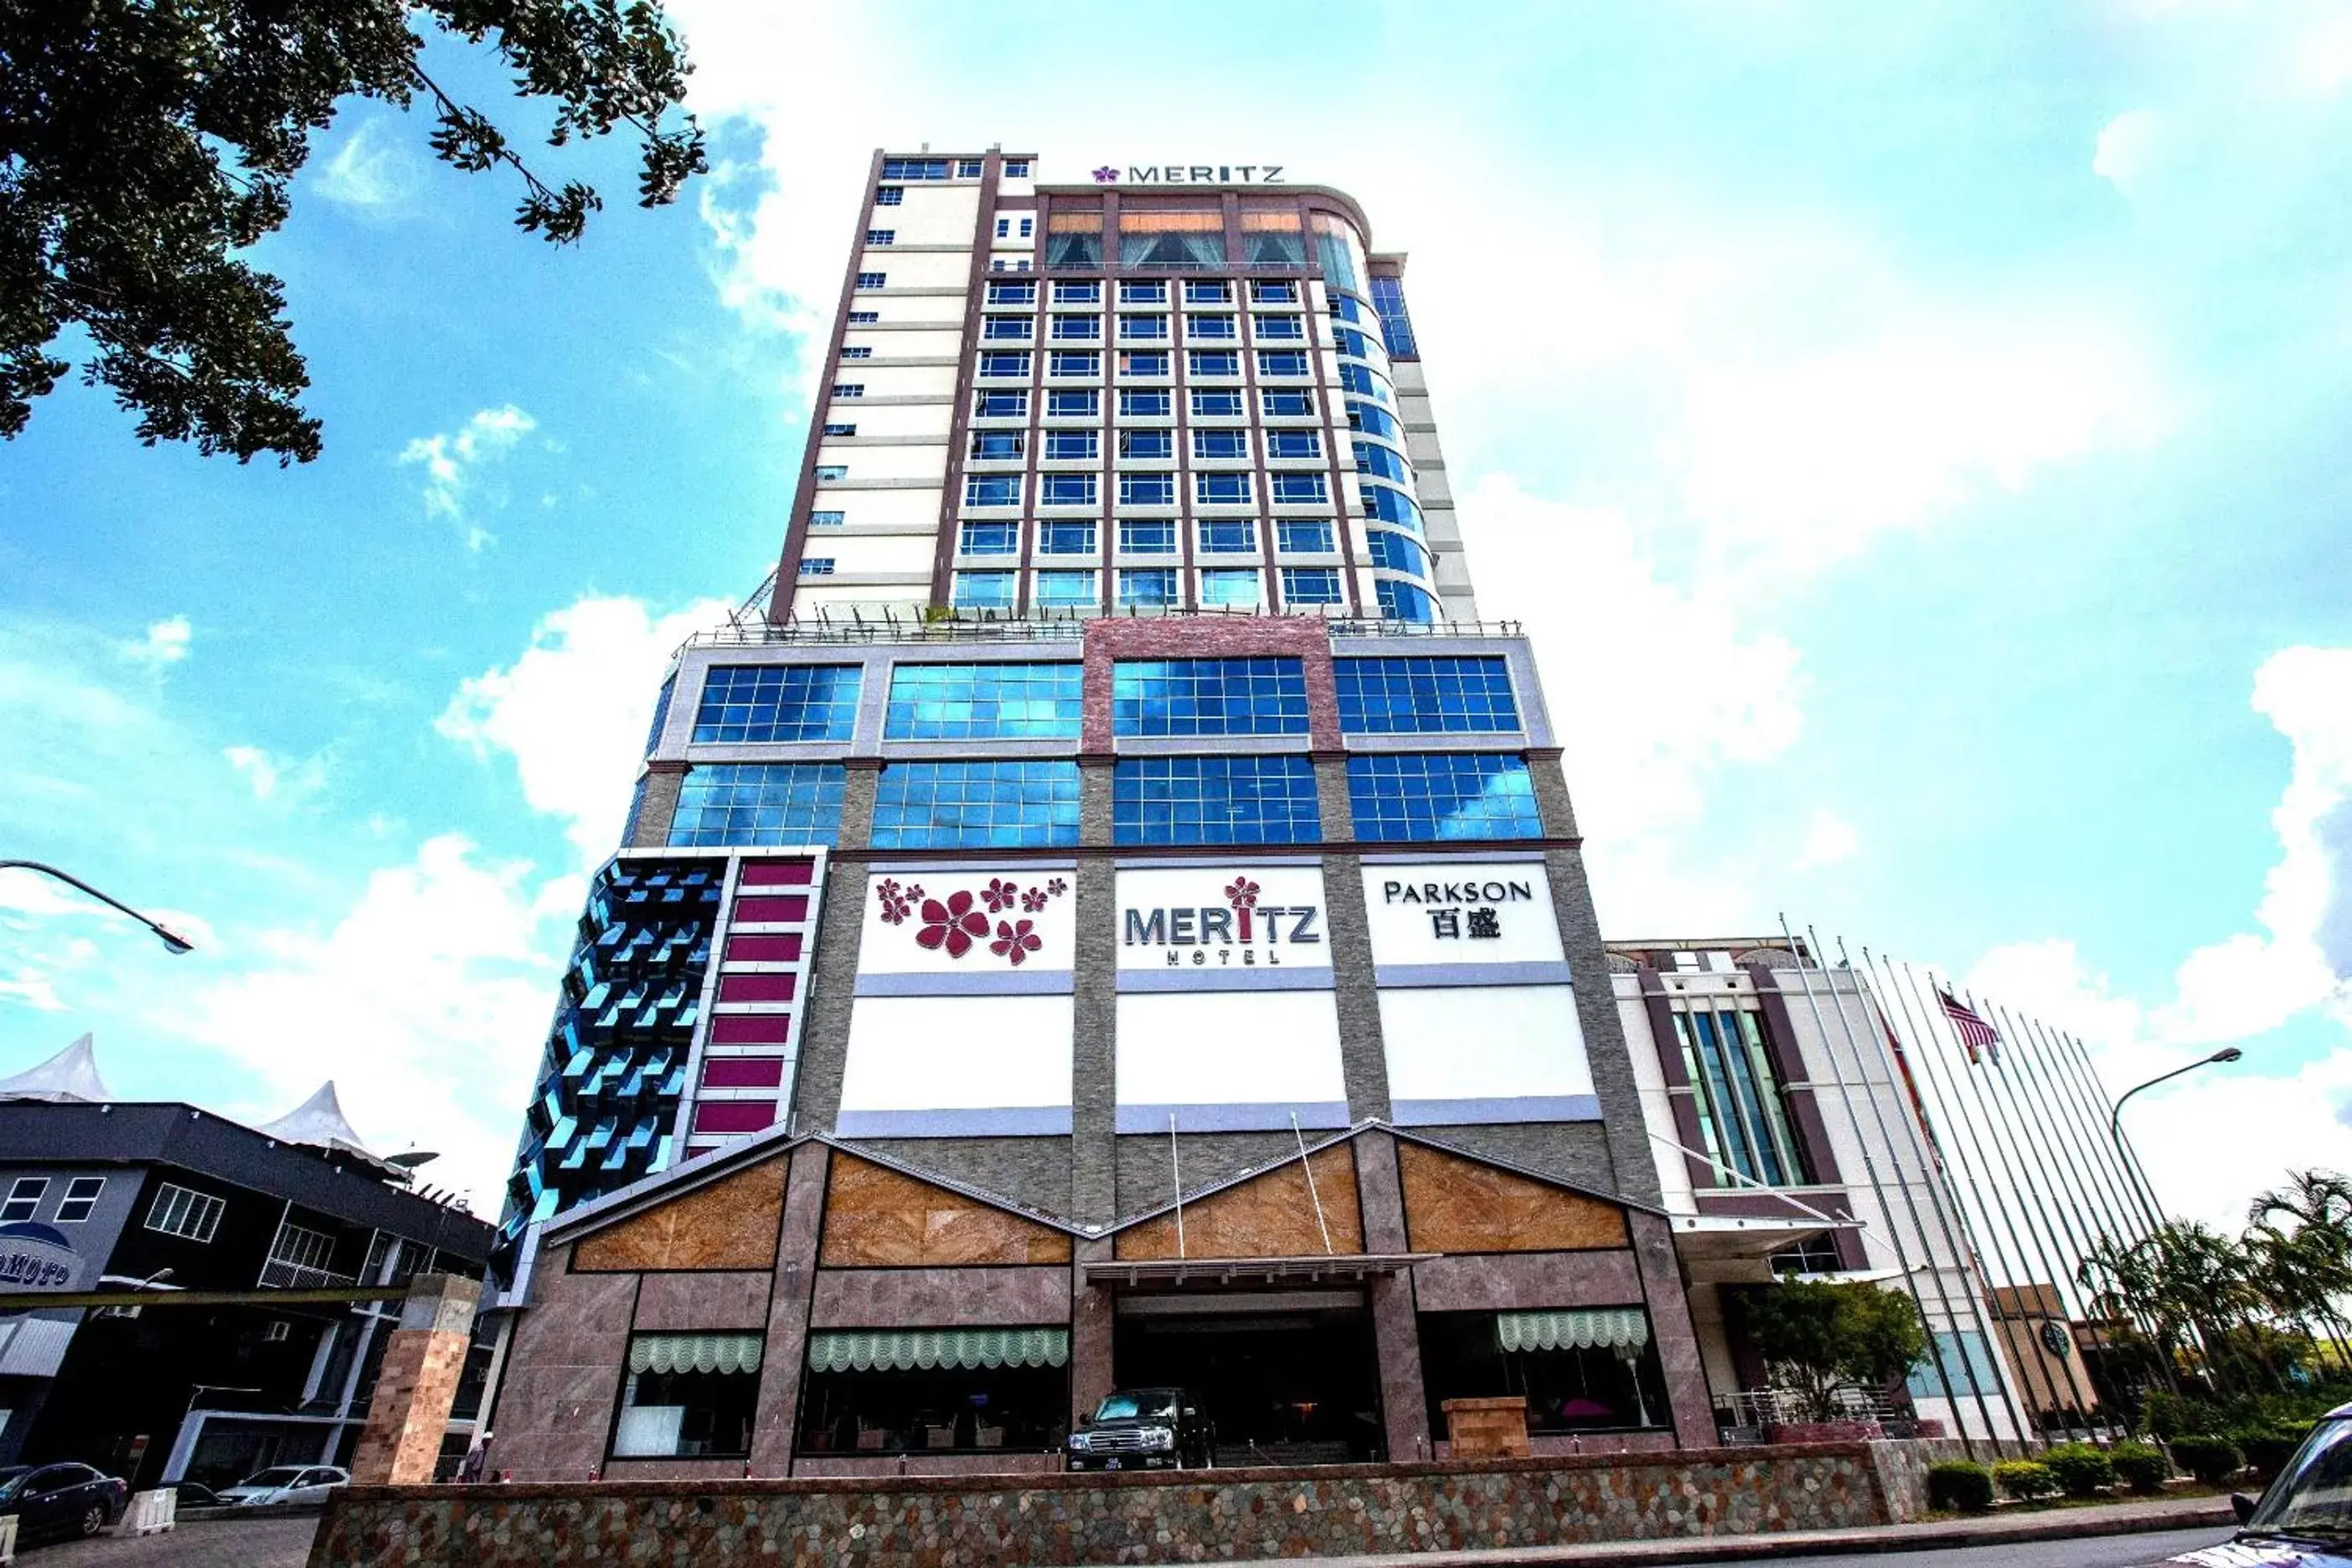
column 1486, row 1053
column 968, row 923
column 946, row 1066
column 1228, row 1060
column 1223, row 918
column 1456, row 912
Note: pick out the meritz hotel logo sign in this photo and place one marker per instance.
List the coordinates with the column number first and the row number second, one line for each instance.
column 1190, row 175
column 1264, row 917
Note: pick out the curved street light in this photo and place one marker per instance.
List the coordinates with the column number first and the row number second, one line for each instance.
column 172, row 940
column 2226, row 1055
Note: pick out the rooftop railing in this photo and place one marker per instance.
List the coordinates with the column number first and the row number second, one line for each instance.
column 887, row 624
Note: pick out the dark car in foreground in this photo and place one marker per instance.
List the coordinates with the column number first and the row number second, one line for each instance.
column 60, row 1499
column 2304, row 1518
column 1143, row 1429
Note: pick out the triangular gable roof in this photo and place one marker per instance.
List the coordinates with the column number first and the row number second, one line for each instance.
column 319, row 1122
column 70, row 1077
column 1404, row 1135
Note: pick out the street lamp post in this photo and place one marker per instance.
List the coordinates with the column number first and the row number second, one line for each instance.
column 172, row 940
column 2123, row 1145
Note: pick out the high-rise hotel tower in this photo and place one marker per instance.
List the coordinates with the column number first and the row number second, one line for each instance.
column 1119, row 846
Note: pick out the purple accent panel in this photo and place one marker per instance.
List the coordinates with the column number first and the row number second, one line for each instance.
column 778, row 873
column 769, row 911
column 758, row 987
column 751, row 1028
column 783, row 948
column 1804, row 1104
column 734, row 1115
column 702, row 1303
column 1513, row 1282
column 743, row 1072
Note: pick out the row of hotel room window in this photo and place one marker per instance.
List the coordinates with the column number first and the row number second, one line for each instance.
column 696, row 1395
column 1158, row 403
column 1218, row 444
column 1157, row 536
column 1394, row 798
column 1225, row 487
column 1387, row 308
column 1161, row 588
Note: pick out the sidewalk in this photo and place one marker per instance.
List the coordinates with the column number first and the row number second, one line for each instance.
column 1989, row 1530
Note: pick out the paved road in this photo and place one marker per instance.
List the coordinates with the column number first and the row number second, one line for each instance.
column 201, row 1543
column 2099, row 1552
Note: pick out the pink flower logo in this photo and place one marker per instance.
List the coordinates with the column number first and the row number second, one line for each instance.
column 1000, row 893
column 1034, row 899
column 1242, row 896
column 953, row 925
column 1057, row 886
column 1105, row 174
column 1014, row 941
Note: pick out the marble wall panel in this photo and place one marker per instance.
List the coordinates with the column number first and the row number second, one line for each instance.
column 876, row 1218
column 728, row 1224
column 1454, row 1204
column 1518, row 1281
column 1269, row 1215
column 700, row 1302
column 940, row 1297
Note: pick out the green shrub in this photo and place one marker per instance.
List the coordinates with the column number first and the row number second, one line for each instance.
column 1960, row 1486
column 2025, row 1480
column 2166, row 1415
column 2211, row 1459
column 2269, row 1448
column 2139, row 1466
column 2080, row 1468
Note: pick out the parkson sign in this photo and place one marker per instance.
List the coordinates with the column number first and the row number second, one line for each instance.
column 1192, row 174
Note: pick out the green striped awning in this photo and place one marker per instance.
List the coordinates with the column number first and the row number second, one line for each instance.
column 898, row 1349
column 695, row 1353
column 1624, row 1328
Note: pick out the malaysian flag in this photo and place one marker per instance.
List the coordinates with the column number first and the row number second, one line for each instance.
column 1976, row 1035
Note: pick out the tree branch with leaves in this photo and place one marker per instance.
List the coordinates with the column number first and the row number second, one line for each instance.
column 145, row 143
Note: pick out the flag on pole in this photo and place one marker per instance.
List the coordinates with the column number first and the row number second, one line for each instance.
column 1976, row 1035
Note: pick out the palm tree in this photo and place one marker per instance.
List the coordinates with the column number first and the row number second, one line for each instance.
column 2304, row 1271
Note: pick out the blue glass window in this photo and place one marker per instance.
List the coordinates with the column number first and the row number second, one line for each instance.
column 661, row 714
column 1371, row 416
column 1278, row 329
column 1217, row 405
column 1012, row 362
column 1371, row 457
column 1076, row 328
column 976, row 805
column 1144, row 443
column 1007, row 328
column 1211, row 329
column 1013, row 293
column 1311, row 585
column 1157, row 538
column 1415, row 796
column 1062, row 361
column 997, row 445
column 1228, row 536
column 1210, row 292
column 1132, row 291
column 753, row 703
column 984, row 590
column 1221, row 489
column 993, row 490
column 1149, row 403
column 1082, row 404
column 759, row 803
column 1281, row 361
column 1294, row 443
column 914, row 168
column 1291, row 490
column 989, row 539
column 1074, row 250
column 1146, row 490
column 1208, row 697
column 1065, row 489
column 1002, row 406
column 983, row 701
column 1073, row 293
column 1143, row 328
column 1425, row 695
column 1137, row 362
column 1220, row 443
column 1215, row 800
column 1230, row 588
column 1274, row 291
column 1349, row 341
column 1398, row 551
column 1362, row 378
column 1071, row 446
column 1152, row 589
column 1215, row 362
column 1405, row 602
column 1287, row 402
column 889, row 196
column 1390, row 506
column 1065, row 539
column 1303, row 535
column 1396, row 326
column 1065, row 589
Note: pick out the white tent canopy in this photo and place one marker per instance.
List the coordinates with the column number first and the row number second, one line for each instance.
column 70, row 1077
column 319, row 1122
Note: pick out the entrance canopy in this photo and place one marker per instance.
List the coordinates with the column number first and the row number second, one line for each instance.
column 1622, row 1328
column 1214, row 1272
column 901, row 1350
column 1734, row 1249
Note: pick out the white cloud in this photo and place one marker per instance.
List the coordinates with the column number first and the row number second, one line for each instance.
column 428, row 1004
column 1828, row 839
column 2130, row 150
column 276, row 778
column 1603, row 622
column 450, row 460
column 30, row 987
column 166, row 642
column 573, row 710
column 369, row 170
column 2218, row 1137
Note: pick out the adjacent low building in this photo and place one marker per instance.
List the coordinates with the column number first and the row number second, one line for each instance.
column 149, row 1200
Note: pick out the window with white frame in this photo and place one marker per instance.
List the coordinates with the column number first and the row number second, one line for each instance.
column 81, row 1197
column 24, row 1198
column 191, row 1215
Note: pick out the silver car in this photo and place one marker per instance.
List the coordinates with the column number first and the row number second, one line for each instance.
column 2305, row 1520
column 285, row 1486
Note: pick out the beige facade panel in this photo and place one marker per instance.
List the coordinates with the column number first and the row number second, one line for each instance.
column 929, row 215
column 918, row 269
column 895, row 419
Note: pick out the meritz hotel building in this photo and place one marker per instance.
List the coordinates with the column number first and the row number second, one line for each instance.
column 1116, row 918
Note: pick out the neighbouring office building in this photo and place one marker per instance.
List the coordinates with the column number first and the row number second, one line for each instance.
column 1118, row 919
column 149, row 1200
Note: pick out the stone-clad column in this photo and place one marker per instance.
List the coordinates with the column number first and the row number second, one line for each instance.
column 832, row 976
column 1396, row 1329
column 776, row 1420
column 649, row 828
column 422, row 1362
column 1091, row 1372
column 1363, row 1062
column 1094, row 1043
column 1672, row 1329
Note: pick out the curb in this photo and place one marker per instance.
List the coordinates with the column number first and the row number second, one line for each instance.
column 1763, row 1547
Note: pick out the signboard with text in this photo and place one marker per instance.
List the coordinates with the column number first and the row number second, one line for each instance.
column 1261, row 916
column 1454, row 912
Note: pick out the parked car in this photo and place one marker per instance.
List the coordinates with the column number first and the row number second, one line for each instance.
column 60, row 1499
column 195, row 1494
column 1143, row 1429
column 285, row 1486
column 2304, row 1518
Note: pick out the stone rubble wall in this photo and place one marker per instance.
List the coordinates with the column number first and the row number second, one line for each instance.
column 1241, row 1515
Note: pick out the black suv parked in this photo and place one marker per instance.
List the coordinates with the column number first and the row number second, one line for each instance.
column 1144, row 1429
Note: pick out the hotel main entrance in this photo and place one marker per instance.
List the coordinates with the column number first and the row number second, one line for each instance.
column 1288, row 1377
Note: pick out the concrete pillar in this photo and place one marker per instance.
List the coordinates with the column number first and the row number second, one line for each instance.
column 1396, row 1328
column 649, row 826
column 422, row 1363
column 775, row 1424
column 1094, row 1008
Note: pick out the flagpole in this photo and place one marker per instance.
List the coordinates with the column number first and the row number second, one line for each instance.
column 2040, row 1259
column 2143, row 1191
column 2068, row 1166
column 1878, row 1191
column 2113, row 1181
column 2016, row 1263
column 1908, row 1113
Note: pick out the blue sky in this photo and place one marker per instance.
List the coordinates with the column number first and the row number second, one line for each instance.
column 1913, row 434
